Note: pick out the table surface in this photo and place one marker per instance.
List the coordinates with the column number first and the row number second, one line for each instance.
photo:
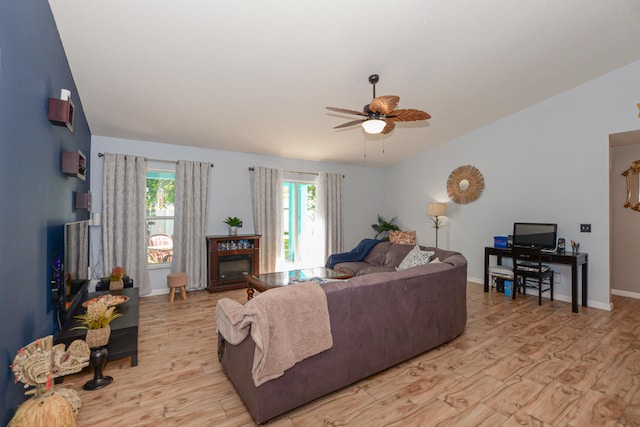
column 567, row 258
column 284, row 278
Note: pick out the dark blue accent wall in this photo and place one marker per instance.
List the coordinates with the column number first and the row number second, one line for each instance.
column 36, row 199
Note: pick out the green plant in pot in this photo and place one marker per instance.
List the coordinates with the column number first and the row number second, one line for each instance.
column 233, row 222
column 96, row 320
column 382, row 227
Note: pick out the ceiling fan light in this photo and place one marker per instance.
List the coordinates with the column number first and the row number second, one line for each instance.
column 373, row 125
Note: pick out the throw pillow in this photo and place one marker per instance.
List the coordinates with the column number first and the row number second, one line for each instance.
column 403, row 237
column 436, row 260
column 414, row 258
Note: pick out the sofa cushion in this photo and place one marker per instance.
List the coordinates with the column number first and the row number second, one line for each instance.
column 377, row 255
column 414, row 258
column 403, row 237
column 374, row 269
column 351, row 268
column 396, row 254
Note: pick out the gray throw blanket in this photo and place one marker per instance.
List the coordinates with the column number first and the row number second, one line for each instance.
column 288, row 324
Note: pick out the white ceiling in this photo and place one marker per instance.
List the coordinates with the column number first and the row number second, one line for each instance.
column 255, row 76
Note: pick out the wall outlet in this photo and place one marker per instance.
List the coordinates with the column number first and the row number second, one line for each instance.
column 585, row 228
column 557, row 278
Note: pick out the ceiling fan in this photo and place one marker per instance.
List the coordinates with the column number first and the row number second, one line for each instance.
column 380, row 115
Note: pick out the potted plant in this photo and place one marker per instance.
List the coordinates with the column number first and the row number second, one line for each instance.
column 233, row 222
column 115, row 278
column 96, row 320
column 383, row 227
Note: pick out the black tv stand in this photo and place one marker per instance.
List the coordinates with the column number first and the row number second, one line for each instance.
column 124, row 330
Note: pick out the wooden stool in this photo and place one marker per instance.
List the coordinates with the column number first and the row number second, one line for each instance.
column 177, row 280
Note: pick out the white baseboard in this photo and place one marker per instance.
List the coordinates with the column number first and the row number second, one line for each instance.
column 158, row 292
column 628, row 294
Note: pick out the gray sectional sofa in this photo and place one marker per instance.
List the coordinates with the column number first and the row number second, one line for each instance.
column 377, row 321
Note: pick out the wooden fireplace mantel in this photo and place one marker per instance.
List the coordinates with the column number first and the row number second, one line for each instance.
column 216, row 255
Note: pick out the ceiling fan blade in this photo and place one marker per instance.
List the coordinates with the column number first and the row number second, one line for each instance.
column 384, row 104
column 351, row 123
column 389, row 127
column 345, row 111
column 409, row 115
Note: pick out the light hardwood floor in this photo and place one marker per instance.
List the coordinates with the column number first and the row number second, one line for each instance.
column 516, row 364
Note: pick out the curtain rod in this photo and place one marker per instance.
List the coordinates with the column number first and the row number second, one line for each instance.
column 298, row 172
column 154, row 160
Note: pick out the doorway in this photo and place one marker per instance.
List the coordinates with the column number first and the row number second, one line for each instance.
column 624, row 223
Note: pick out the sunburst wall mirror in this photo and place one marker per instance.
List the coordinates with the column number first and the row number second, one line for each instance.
column 465, row 184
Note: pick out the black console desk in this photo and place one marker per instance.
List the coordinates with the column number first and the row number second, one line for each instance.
column 580, row 259
column 124, row 330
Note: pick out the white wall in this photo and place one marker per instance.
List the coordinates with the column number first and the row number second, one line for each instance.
column 230, row 188
column 548, row 163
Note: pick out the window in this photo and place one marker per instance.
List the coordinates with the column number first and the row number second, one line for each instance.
column 160, row 215
column 302, row 247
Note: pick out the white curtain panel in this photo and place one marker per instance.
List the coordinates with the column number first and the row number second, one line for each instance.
column 190, row 228
column 124, row 224
column 266, row 192
column 330, row 211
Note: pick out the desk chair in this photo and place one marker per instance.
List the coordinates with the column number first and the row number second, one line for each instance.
column 528, row 271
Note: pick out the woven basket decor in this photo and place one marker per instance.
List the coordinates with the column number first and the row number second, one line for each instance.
column 98, row 337
column 114, row 285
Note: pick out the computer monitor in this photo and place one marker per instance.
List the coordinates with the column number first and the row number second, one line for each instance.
column 535, row 235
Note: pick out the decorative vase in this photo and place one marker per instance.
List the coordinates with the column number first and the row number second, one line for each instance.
column 98, row 337
column 233, row 230
column 114, row 285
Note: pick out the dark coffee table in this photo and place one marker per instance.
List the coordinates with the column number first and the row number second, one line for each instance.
column 124, row 330
column 264, row 282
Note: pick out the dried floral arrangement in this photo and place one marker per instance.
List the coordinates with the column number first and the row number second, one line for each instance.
column 98, row 315
column 117, row 273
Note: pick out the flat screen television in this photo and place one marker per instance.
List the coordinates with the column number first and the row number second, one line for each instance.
column 75, row 279
column 535, row 235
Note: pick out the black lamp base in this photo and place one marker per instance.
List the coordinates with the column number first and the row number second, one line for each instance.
column 97, row 360
column 97, row 383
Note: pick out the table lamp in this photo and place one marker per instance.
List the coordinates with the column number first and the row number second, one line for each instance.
column 436, row 210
